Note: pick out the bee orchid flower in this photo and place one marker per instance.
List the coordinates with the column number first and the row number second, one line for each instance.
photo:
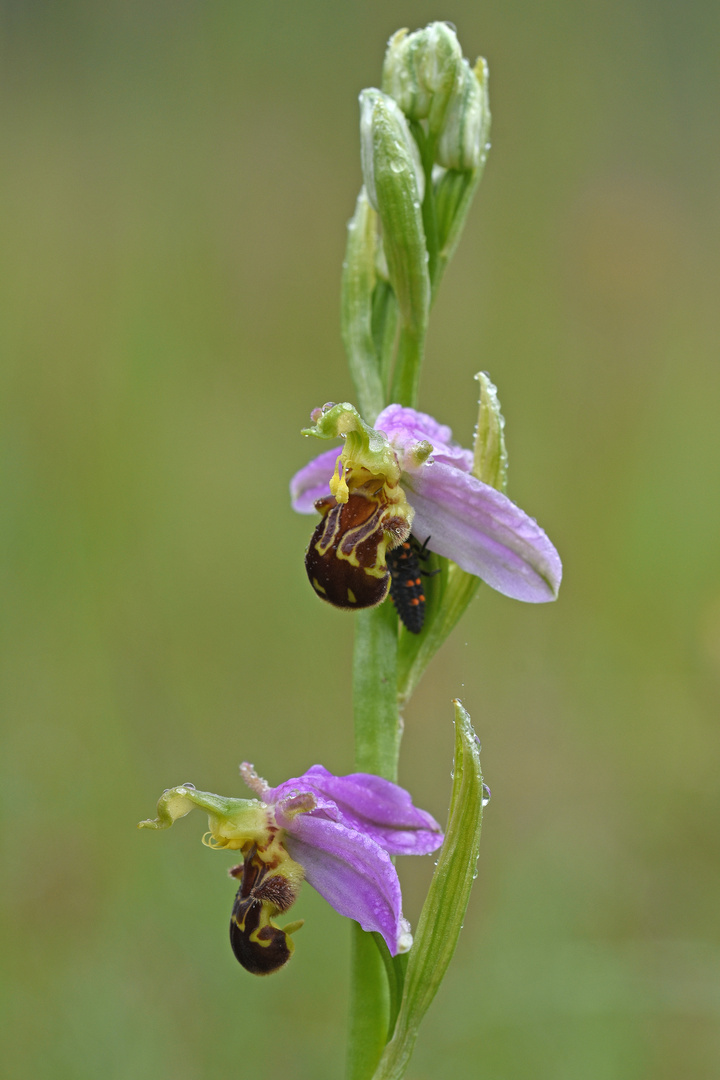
column 336, row 832
column 407, row 473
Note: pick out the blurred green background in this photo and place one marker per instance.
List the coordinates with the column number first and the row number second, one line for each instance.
column 175, row 182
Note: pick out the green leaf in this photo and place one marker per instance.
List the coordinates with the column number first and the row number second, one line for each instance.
column 444, row 908
column 369, row 1006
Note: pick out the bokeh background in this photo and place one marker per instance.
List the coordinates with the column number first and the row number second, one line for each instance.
column 175, row 182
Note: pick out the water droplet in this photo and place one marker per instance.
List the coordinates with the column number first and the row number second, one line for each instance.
column 191, row 786
column 396, row 166
column 487, row 795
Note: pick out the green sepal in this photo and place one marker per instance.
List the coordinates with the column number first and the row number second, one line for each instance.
column 444, row 909
column 490, row 460
column 356, row 310
column 394, row 180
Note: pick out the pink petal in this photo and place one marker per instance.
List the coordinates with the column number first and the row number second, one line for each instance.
column 353, row 873
column 404, row 427
column 312, row 482
column 483, row 532
column 377, row 807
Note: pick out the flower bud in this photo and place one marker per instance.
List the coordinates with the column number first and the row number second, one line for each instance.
column 463, row 140
column 395, row 185
column 386, row 143
column 421, row 71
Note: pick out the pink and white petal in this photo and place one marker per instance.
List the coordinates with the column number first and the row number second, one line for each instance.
column 353, row 873
column 382, row 810
column 485, row 533
column 405, row 426
column 313, row 481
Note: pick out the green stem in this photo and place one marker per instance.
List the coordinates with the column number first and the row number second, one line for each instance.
column 377, row 746
column 377, row 722
column 369, row 1006
column 406, row 377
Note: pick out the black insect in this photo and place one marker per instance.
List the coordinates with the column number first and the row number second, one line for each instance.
column 406, row 587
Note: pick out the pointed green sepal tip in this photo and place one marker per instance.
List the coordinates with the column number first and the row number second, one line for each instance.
column 421, row 71
column 444, row 909
column 490, row 460
column 231, row 822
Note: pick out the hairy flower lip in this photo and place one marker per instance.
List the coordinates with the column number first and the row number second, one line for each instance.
column 467, row 521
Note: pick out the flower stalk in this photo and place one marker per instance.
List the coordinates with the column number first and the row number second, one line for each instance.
column 410, row 524
column 424, row 143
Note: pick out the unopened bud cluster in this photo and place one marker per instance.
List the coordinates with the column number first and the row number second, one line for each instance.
column 426, row 74
column 424, row 140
